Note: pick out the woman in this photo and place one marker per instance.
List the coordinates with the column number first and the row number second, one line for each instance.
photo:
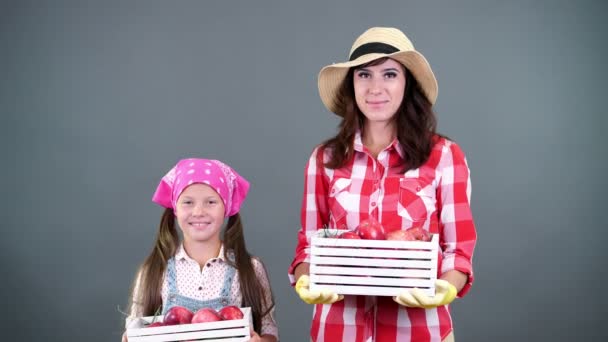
column 386, row 163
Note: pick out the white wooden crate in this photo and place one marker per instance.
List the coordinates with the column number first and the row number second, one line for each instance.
column 221, row 331
column 372, row 267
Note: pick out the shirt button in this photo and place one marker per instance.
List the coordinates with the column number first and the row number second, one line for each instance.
column 200, row 288
column 373, row 204
column 208, row 264
column 214, row 260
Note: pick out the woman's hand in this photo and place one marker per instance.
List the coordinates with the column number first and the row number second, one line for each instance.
column 315, row 297
column 444, row 294
column 124, row 337
column 312, row 297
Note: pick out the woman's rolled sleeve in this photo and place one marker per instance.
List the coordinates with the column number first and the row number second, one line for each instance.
column 458, row 234
column 314, row 211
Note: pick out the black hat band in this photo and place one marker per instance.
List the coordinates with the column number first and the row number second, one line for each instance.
column 372, row 48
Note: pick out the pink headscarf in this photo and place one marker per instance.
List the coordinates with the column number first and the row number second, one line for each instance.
column 231, row 187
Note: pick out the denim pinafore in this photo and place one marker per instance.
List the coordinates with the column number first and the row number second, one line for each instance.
column 176, row 299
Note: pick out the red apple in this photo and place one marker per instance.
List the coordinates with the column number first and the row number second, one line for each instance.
column 155, row 324
column 371, row 229
column 177, row 315
column 400, row 235
column 349, row 235
column 411, row 234
column 419, row 234
column 231, row 312
column 206, row 315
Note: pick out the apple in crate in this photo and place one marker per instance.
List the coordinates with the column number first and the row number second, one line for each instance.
column 231, row 312
column 177, row 315
column 400, row 235
column 206, row 315
column 411, row 234
column 349, row 235
column 155, row 324
column 371, row 229
column 419, row 234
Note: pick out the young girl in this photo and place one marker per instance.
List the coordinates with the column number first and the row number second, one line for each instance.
column 202, row 270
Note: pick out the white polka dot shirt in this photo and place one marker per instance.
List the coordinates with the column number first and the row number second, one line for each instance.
column 206, row 283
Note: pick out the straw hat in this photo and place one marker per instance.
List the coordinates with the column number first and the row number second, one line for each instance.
column 377, row 42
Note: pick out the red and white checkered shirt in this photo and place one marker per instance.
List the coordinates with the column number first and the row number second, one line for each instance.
column 435, row 196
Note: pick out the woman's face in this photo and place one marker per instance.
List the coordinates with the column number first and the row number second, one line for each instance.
column 200, row 213
column 379, row 90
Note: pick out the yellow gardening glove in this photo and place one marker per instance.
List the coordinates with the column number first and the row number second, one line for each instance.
column 444, row 294
column 315, row 297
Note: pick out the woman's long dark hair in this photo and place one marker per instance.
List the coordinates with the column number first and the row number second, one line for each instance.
column 415, row 122
column 167, row 240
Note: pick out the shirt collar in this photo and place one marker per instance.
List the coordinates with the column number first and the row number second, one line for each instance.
column 397, row 146
column 181, row 254
column 359, row 142
column 358, row 145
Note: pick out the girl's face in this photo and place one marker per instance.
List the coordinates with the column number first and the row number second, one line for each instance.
column 200, row 213
column 379, row 90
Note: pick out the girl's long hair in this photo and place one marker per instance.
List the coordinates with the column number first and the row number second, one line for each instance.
column 254, row 295
column 415, row 122
column 151, row 272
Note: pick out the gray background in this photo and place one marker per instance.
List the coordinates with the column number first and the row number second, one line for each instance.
column 99, row 99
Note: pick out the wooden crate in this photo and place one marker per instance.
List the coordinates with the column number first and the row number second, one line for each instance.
column 372, row 267
column 221, row 331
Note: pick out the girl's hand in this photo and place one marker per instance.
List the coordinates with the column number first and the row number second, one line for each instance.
column 264, row 338
column 124, row 337
column 255, row 337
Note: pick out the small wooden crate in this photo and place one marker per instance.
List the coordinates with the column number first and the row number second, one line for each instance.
column 372, row 267
column 221, row 331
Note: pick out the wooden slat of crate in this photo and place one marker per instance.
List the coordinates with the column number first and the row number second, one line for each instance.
column 373, row 267
column 229, row 330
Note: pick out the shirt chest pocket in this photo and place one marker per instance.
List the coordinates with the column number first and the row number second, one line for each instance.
column 417, row 200
column 341, row 200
